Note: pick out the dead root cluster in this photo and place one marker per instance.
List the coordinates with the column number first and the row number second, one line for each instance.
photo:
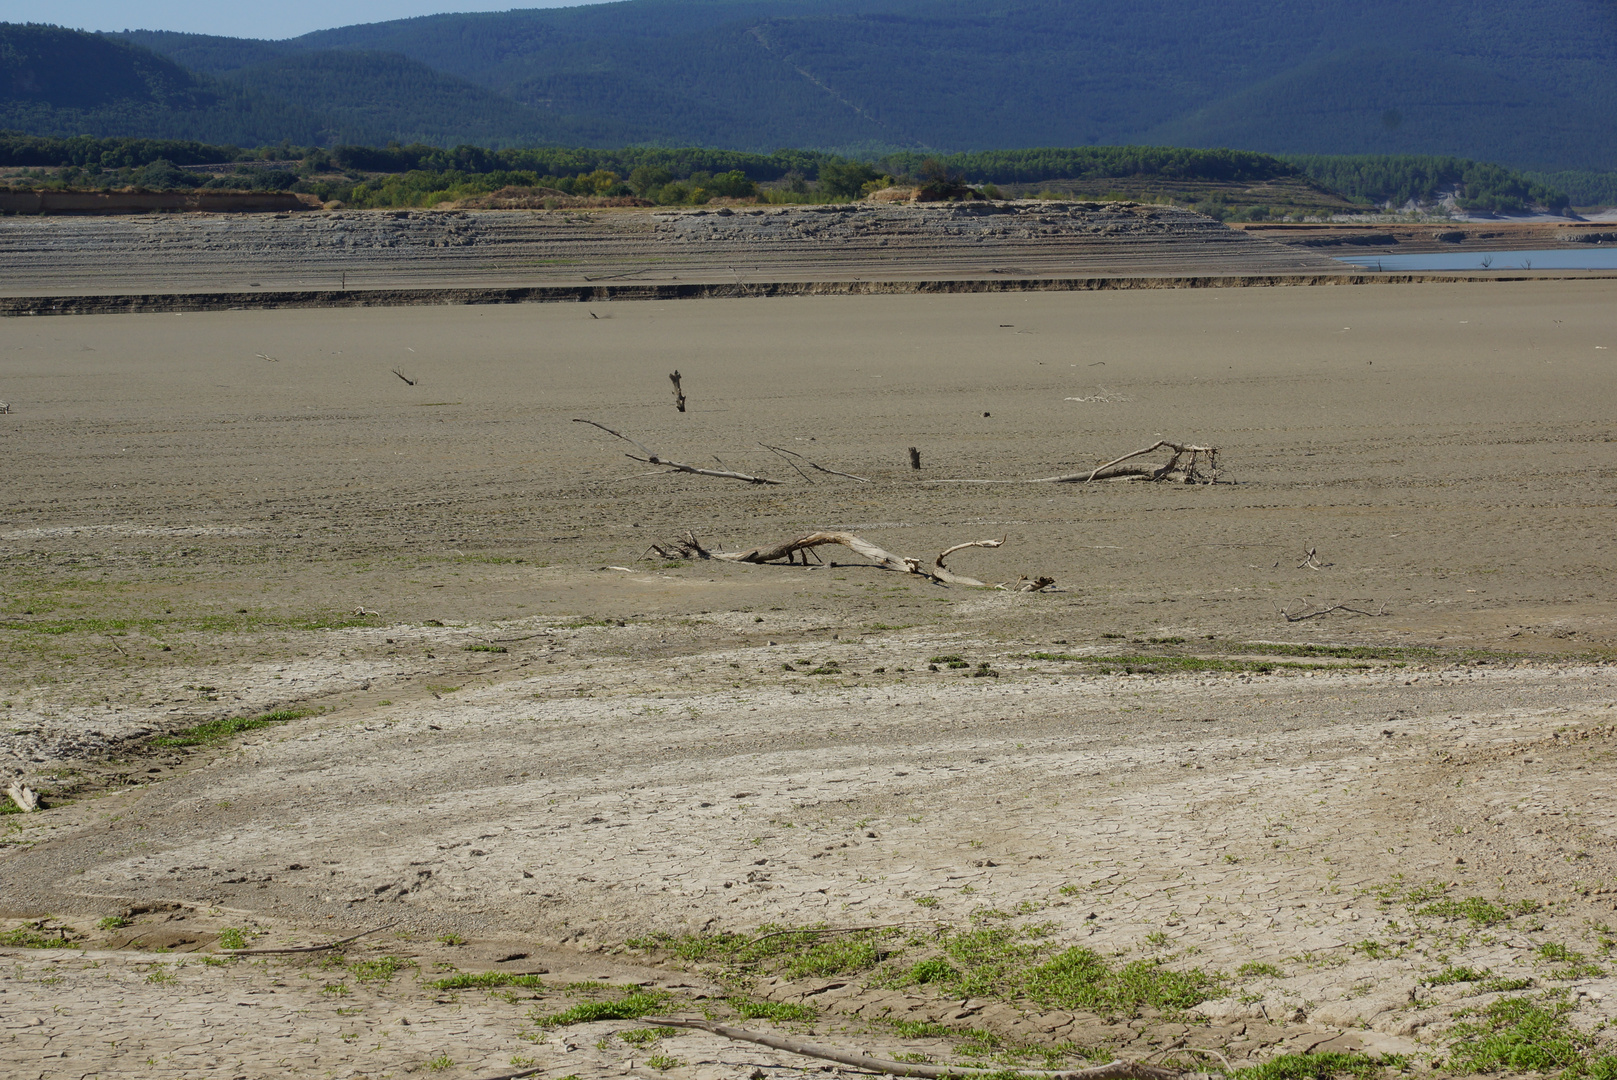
column 801, row 547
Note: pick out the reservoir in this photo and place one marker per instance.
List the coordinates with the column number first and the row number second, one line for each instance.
column 1592, row 258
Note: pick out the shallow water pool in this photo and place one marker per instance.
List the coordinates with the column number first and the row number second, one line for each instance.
column 1592, row 258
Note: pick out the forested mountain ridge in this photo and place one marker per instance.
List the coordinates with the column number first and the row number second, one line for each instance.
column 63, row 82
column 1528, row 86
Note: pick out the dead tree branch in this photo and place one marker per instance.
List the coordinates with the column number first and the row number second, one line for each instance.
column 946, row 552
column 812, row 465
column 1165, row 470
column 1112, row 1070
column 789, row 550
column 407, row 380
column 1311, row 560
column 1178, row 467
column 1308, row 611
column 652, row 459
column 679, row 393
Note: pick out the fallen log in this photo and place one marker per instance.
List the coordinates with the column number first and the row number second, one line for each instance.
column 653, row 459
column 1112, row 1070
column 788, row 550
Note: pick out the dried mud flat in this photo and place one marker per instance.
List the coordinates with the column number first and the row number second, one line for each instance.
column 523, row 759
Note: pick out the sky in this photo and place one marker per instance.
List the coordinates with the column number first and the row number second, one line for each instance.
column 283, row 19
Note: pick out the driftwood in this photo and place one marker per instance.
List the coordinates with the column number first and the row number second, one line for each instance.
column 1177, row 468
column 790, row 550
column 652, row 459
column 1112, row 1070
column 25, row 797
column 789, row 454
column 1308, row 611
column 407, row 380
column 312, row 948
column 679, row 393
column 915, row 457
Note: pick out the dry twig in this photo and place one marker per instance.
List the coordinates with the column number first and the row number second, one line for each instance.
column 679, row 393
column 810, row 464
column 1112, row 1070
column 652, row 459
column 1307, row 611
column 407, row 380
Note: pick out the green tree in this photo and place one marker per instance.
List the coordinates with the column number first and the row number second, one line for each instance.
column 845, row 179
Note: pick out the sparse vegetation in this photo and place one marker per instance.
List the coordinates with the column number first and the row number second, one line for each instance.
column 233, row 937
column 37, row 935
column 631, row 1005
column 1326, row 1066
column 1477, row 911
column 1518, row 1034
column 214, row 731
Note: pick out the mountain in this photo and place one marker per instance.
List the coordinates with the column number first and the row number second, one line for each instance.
column 1532, row 86
column 63, row 82
column 374, row 97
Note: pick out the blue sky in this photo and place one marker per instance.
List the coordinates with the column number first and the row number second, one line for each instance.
column 283, row 19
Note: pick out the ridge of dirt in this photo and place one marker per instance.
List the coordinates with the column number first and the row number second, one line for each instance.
column 425, row 249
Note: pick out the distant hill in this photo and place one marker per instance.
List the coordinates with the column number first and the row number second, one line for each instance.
column 1530, row 86
column 62, row 82
column 376, row 97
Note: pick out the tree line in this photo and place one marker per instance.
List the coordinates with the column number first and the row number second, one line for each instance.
column 410, row 175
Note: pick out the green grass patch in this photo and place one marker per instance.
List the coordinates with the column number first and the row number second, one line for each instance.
column 1080, row 979
column 1519, row 1035
column 1577, row 964
column 233, row 937
column 646, row 1036
column 213, row 731
column 484, row 648
column 992, row 958
column 781, row 1012
column 630, row 1006
column 1452, row 974
column 36, row 937
column 1317, row 1067
column 382, row 969
column 1252, row 969
column 797, row 953
column 485, row 980
column 1477, row 911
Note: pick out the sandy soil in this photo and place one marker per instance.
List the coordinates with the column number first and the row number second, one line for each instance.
column 522, row 744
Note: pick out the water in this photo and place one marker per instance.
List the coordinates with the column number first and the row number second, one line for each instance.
column 1592, row 258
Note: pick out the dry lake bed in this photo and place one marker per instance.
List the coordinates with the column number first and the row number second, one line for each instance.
column 321, row 622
